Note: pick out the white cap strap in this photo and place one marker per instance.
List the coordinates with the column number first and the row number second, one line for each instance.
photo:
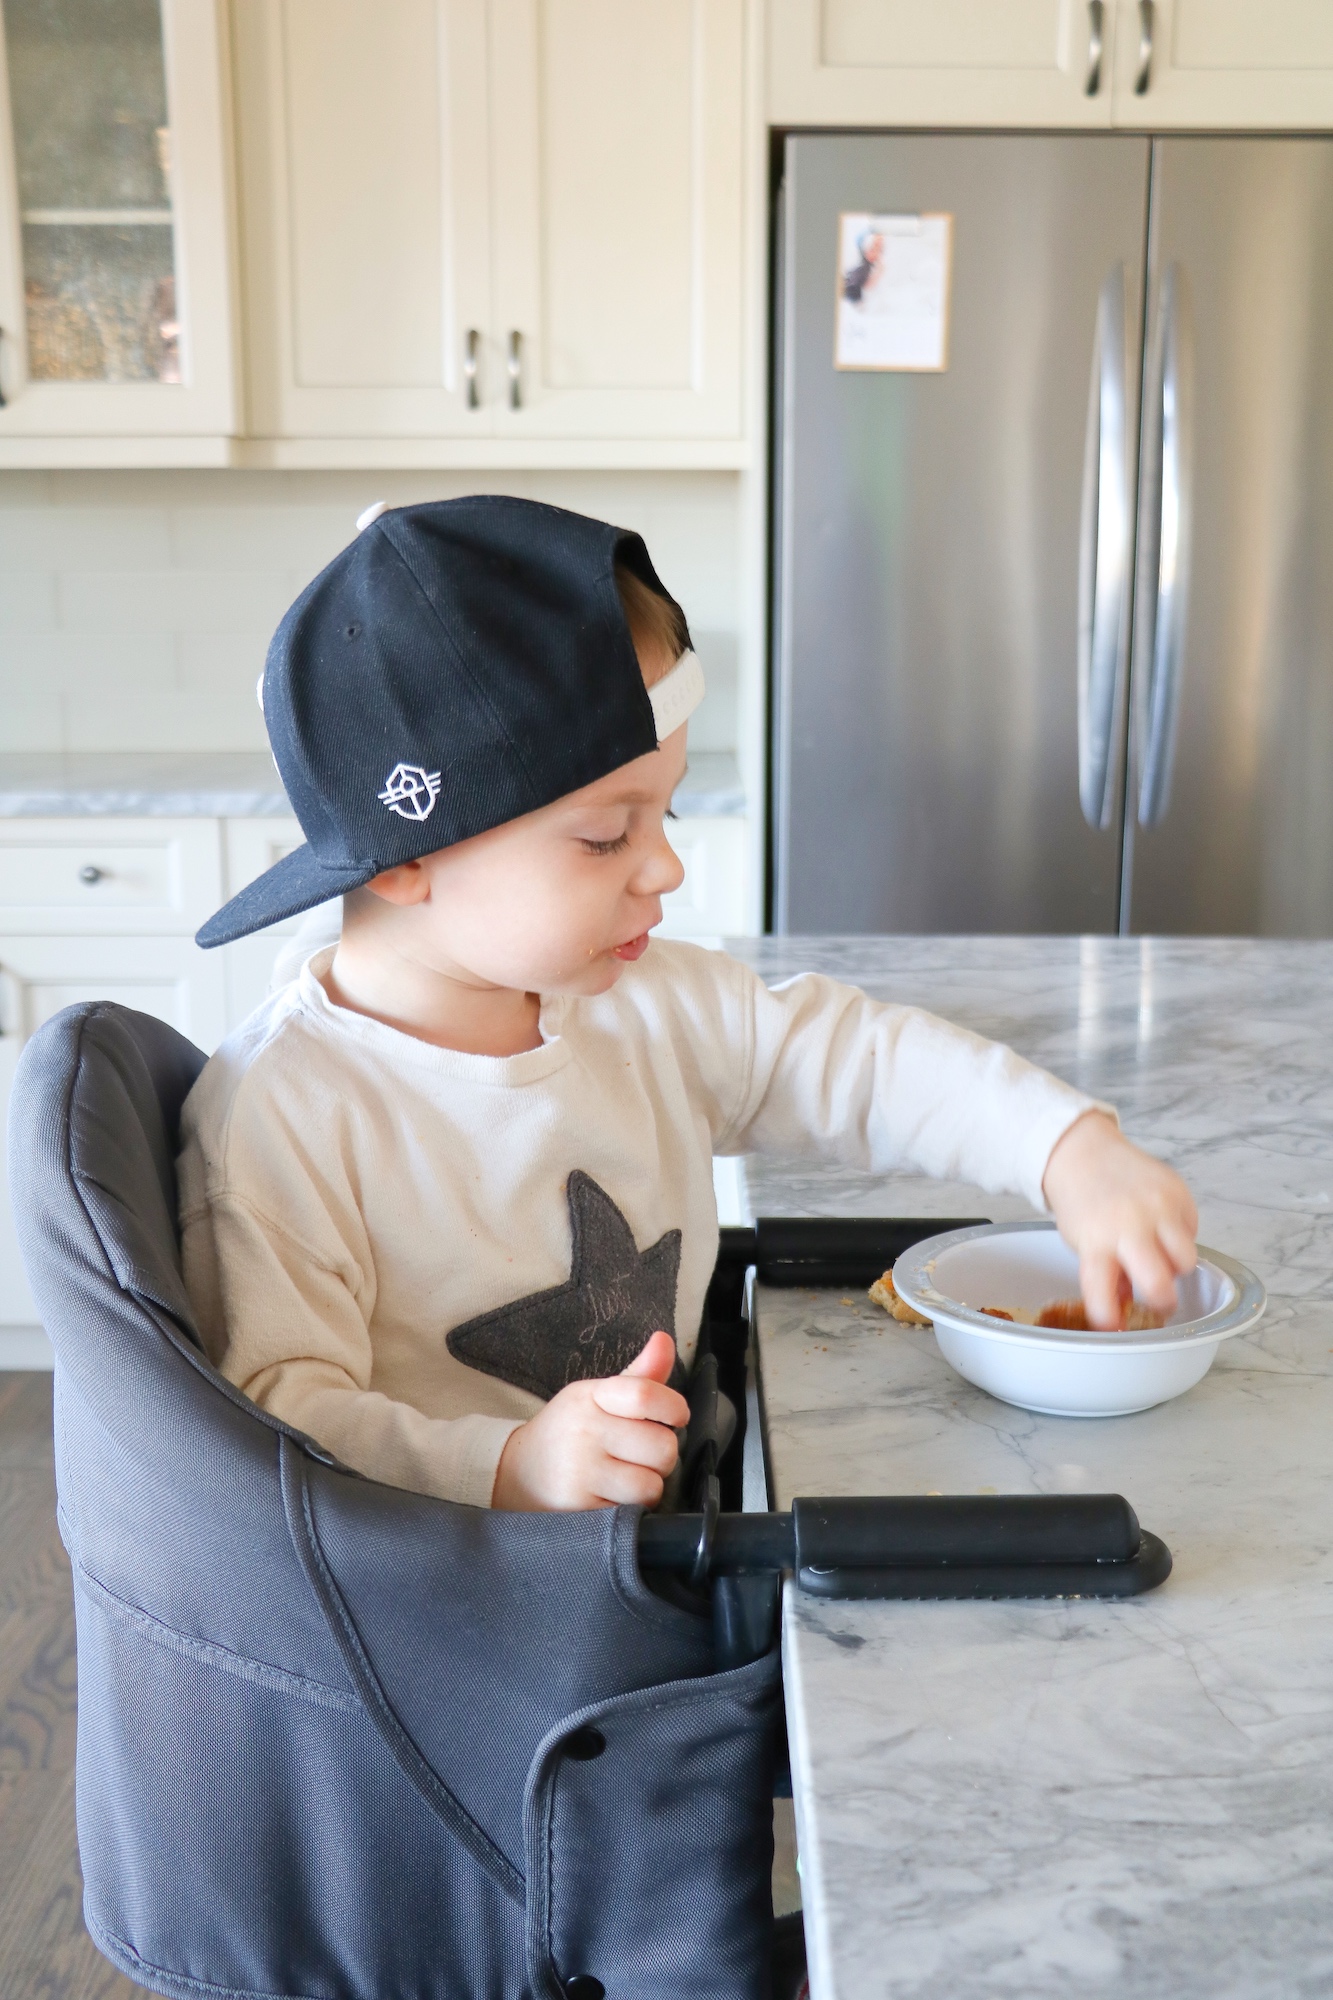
column 677, row 695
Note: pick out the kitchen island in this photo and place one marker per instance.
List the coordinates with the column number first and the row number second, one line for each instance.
column 1033, row 1799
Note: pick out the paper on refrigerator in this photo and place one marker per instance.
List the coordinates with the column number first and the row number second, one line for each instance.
column 893, row 291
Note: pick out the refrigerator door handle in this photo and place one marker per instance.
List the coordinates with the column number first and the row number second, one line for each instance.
column 1172, row 445
column 1103, row 584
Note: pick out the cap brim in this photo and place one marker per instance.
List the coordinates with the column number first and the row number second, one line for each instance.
column 296, row 883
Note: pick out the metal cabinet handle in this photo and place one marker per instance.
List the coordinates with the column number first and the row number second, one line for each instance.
column 91, row 874
column 515, row 370
column 4, row 400
column 1103, row 582
column 1143, row 75
column 1092, row 82
column 471, row 345
column 1170, row 467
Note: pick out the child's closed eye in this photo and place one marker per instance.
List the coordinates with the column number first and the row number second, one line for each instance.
column 615, row 846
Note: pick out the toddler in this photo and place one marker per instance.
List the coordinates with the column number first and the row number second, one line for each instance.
column 447, row 1200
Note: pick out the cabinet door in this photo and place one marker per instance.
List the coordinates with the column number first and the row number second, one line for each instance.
column 94, row 876
column 364, row 191
column 618, row 201
column 115, row 229
column 710, row 902
column 1252, row 63
column 928, row 62
column 166, row 976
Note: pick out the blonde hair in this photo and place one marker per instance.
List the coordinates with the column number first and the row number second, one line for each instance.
column 656, row 625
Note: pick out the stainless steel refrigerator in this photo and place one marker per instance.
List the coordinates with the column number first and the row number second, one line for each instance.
column 1053, row 624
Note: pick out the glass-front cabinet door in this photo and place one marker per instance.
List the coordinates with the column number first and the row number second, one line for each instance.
column 115, row 294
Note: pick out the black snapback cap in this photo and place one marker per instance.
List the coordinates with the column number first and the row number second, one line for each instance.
column 457, row 665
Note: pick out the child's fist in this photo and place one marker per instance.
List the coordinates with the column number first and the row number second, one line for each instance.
column 610, row 1443
column 1131, row 1219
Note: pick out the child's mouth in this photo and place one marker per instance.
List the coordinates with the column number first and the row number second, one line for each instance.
column 634, row 949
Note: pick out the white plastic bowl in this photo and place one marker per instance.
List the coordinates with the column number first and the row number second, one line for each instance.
column 1023, row 1266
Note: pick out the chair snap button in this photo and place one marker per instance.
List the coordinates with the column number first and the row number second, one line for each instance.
column 584, row 1987
column 583, row 1745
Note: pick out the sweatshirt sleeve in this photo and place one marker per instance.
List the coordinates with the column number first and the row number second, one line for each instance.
column 834, row 1074
column 287, row 1321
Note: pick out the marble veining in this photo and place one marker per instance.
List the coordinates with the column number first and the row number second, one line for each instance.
column 1033, row 1799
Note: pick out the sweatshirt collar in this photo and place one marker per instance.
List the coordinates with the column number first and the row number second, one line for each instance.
column 395, row 1047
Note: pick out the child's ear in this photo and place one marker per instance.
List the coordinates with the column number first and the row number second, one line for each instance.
column 406, row 884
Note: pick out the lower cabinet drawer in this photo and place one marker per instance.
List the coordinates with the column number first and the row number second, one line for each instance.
column 95, row 876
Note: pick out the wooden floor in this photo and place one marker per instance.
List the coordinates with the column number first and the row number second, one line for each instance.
column 45, row 1953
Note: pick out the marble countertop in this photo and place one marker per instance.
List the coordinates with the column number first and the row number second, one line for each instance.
column 241, row 785
column 1033, row 1799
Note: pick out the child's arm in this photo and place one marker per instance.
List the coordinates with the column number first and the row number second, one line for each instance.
column 1130, row 1218
column 830, row 1071
column 598, row 1444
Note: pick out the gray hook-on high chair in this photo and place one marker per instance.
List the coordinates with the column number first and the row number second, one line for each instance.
column 343, row 1742
column 339, row 1741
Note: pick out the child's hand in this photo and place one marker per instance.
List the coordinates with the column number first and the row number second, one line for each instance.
column 1130, row 1218
column 598, row 1444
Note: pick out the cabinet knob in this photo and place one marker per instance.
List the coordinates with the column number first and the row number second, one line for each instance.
column 471, row 343
column 515, row 370
column 91, row 874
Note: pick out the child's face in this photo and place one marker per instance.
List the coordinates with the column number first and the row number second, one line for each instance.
column 557, row 901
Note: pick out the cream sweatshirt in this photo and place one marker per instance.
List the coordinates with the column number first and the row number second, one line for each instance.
column 403, row 1250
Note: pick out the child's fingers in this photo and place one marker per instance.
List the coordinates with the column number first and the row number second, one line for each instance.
column 657, row 1358
column 618, row 1484
column 1179, row 1245
column 1100, row 1280
column 1151, row 1271
column 633, row 1396
column 634, row 1443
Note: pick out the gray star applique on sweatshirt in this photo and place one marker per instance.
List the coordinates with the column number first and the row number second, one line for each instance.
column 593, row 1325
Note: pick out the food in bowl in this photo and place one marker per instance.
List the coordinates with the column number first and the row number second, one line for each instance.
column 954, row 1280
column 1072, row 1316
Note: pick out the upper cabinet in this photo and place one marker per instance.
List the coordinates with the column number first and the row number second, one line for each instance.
column 1145, row 64
column 115, row 295
column 941, row 62
column 1226, row 63
column 527, row 228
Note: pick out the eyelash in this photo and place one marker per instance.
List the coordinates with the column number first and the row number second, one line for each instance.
column 618, row 845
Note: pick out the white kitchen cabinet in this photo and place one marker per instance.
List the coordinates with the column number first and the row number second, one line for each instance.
column 115, row 232
column 91, row 877
column 1225, row 64
column 617, row 150
column 711, row 901
column 950, row 62
column 1169, row 63
column 496, row 222
column 40, row 974
column 364, row 192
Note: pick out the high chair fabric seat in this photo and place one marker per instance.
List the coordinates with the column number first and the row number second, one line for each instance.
column 338, row 1741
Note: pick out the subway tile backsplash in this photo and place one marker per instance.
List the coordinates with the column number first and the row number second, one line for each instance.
column 136, row 607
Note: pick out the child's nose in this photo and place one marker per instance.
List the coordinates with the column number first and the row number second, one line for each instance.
column 662, row 870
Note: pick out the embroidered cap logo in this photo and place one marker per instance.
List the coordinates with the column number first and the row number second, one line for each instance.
column 410, row 791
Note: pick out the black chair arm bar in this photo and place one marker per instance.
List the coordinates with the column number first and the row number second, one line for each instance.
column 899, row 1532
